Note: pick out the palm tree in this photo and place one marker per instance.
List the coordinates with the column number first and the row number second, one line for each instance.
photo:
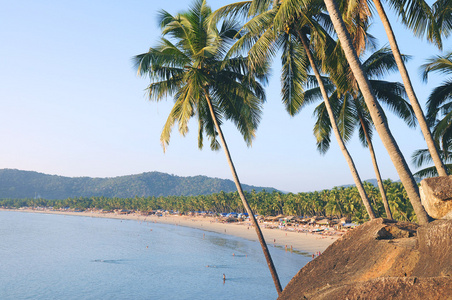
column 280, row 25
column 205, row 84
column 376, row 113
column 418, row 15
column 352, row 112
column 439, row 114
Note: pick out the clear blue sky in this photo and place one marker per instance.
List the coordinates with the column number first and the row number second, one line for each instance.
column 72, row 105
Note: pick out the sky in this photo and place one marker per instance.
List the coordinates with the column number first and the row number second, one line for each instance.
column 71, row 104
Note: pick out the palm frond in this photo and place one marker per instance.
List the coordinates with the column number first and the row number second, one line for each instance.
column 441, row 128
column 440, row 64
column 345, row 116
column 322, row 128
column 381, row 63
column 439, row 97
column 420, row 18
column 430, row 172
column 287, row 14
column 294, row 76
column 421, row 157
column 442, row 13
column 314, row 94
column 164, row 18
column 260, row 6
column 393, row 95
column 238, row 9
column 365, row 123
column 160, row 90
column 256, row 30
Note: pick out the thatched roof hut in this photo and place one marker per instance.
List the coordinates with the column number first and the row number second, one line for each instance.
column 323, row 222
column 345, row 220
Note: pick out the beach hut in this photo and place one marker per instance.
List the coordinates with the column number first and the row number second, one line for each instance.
column 231, row 220
column 345, row 220
column 334, row 221
column 323, row 222
column 270, row 219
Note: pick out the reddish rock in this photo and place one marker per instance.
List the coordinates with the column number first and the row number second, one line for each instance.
column 381, row 259
column 436, row 196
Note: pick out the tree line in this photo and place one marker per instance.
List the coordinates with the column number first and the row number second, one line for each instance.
column 335, row 203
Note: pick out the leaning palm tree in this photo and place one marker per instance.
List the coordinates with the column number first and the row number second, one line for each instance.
column 191, row 65
column 424, row 20
column 286, row 26
column 439, row 115
column 351, row 110
column 376, row 113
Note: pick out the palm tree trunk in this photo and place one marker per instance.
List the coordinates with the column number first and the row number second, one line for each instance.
column 376, row 114
column 337, row 134
column 377, row 172
column 244, row 201
column 410, row 91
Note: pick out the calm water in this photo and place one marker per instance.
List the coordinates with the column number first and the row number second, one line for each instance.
column 69, row 257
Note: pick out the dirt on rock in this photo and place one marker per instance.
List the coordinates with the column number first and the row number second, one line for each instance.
column 381, row 259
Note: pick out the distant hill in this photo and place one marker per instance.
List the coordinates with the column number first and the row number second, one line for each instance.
column 17, row 184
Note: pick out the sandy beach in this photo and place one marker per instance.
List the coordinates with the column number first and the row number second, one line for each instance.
column 291, row 238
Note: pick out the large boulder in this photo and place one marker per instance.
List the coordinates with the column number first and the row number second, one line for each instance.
column 381, row 259
column 436, row 196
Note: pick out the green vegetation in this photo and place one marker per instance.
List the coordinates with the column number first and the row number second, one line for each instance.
column 337, row 202
column 16, row 184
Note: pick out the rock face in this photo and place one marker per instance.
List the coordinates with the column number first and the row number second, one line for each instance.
column 381, row 259
column 436, row 196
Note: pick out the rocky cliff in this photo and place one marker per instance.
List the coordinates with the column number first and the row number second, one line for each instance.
column 381, row 259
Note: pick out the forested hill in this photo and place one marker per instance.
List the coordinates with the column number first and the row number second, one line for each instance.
column 17, row 184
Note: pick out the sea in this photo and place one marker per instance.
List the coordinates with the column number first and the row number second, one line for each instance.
column 49, row 256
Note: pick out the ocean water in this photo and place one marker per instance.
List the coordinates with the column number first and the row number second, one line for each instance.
column 44, row 256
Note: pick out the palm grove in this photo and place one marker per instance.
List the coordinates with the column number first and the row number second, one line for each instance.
column 214, row 69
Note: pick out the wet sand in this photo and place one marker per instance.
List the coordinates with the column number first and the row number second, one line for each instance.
column 288, row 238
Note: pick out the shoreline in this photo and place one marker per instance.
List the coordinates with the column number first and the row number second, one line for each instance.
column 302, row 242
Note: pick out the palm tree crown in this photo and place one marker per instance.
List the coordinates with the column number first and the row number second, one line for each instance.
column 189, row 63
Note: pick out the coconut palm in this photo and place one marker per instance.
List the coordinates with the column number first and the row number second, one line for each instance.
column 284, row 25
column 376, row 113
column 424, row 20
column 351, row 110
column 439, row 114
column 191, row 65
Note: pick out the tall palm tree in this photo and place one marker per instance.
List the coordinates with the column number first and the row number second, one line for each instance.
column 205, row 84
column 352, row 112
column 376, row 113
column 285, row 25
column 418, row 15
column 439, row 114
